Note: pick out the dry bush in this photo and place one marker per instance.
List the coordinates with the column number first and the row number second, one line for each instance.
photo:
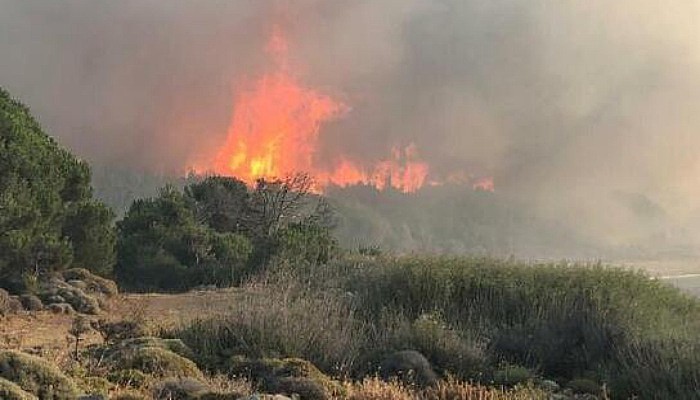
column 450, row 389
column 93, row 283
column 277, row 320
column 458, row 390
column 377, row 389
column 131, row 321
column 220, row 383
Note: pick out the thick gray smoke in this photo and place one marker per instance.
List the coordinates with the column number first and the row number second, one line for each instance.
column 585, row 109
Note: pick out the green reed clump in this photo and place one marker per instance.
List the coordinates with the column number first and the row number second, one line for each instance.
column 467, row 316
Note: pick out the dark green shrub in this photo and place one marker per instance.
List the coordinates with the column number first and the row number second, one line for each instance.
column 88, row 224
column 306, row 242
column 409, row 366
column 305, row 388
column 162, row 362
column 162, row 245
column 174, row 345
column 36, row 376
column 585, row 386
column 31, row 302
column 445, row 347
column 664, row 368
column 289, row 376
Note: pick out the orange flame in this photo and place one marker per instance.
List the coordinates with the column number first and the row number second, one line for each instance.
column 274, row 132
column 275, row 124
column 403, row 172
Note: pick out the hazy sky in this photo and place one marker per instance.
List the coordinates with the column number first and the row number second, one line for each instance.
column 587, row 108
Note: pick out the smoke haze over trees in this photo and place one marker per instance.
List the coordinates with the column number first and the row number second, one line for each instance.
column 584, row 112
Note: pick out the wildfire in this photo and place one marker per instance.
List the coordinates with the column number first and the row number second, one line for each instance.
column 403, row 171
column 274, row 132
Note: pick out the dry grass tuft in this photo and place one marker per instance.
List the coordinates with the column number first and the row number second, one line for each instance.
column 450, row 389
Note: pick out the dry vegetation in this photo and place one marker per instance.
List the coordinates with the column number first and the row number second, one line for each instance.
column 347, row 316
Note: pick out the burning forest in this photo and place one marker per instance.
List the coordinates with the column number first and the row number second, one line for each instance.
column 349, row 199
column 274, row 132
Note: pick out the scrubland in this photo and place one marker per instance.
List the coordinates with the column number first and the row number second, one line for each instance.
column 489, row 329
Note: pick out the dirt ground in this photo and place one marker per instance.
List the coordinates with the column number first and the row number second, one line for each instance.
column 48, row 333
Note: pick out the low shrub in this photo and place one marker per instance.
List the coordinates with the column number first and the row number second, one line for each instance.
column 447, row 349
column 94, row 283
column 36, row 376
column 116, row 331
column 9, row 304
column 288, row 376
column 450, row 389
column 511, row 375
column 94, row 385
column 177, row 346
column 280, row 321
column 61, row 308
column 222, row 396
column 664, row 368
column 56, row 290
column 31, row 302
column 179, row 389
column 130, row 395
column 12, row 391
column 305, row 388
column 410, row 367
column 162, row 362
column 15, row 305
column 584, row 386
column 132, row 378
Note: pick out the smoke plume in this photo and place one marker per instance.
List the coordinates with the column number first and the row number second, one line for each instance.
column 584, row 110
